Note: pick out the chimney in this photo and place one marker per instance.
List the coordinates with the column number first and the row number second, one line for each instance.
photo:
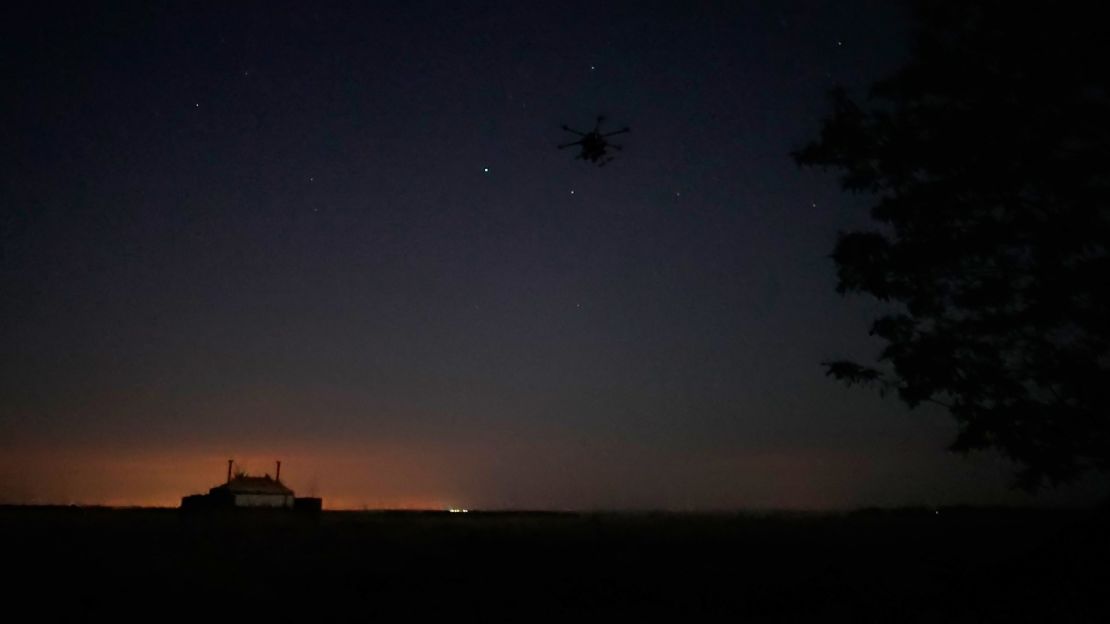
column 229, row 462
column 278, row 476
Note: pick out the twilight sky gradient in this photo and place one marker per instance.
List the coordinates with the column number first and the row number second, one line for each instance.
column 342, row 237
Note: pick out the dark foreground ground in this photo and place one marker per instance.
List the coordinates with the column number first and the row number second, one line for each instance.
column 907, row 566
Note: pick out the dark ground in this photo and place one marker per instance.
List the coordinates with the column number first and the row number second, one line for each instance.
column 958, row 565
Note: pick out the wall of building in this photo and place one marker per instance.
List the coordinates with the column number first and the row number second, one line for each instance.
column 263, row 500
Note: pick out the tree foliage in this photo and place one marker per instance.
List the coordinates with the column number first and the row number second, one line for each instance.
column 988, row 160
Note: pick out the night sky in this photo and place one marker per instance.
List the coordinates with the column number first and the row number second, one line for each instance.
column 342, row 237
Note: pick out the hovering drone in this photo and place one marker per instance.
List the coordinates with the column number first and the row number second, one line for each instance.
column 594, row 143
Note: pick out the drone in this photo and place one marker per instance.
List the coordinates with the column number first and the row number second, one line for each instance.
column 594, row 143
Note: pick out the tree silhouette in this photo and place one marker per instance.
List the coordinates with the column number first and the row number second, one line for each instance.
column 988, row 158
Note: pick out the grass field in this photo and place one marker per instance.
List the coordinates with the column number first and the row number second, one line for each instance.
column 958, row 565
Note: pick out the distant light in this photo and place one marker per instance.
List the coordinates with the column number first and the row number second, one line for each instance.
column 592, row 67
column 453, row 510
column 572, row 192
column 486, row 169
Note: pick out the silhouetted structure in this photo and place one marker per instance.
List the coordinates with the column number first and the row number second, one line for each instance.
column 594, row 143
column 244, row 491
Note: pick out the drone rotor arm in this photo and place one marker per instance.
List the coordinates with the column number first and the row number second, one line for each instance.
column 621, row 131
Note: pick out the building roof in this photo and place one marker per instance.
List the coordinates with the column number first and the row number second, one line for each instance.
column 242, row 484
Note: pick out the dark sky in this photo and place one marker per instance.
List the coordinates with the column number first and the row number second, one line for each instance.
column 343, row 237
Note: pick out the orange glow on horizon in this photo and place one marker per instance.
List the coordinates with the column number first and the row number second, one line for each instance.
column 530, row 473
column 368, row 479
column 375, row 479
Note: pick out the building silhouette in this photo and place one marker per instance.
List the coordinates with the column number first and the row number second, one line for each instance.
column 242, row 491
